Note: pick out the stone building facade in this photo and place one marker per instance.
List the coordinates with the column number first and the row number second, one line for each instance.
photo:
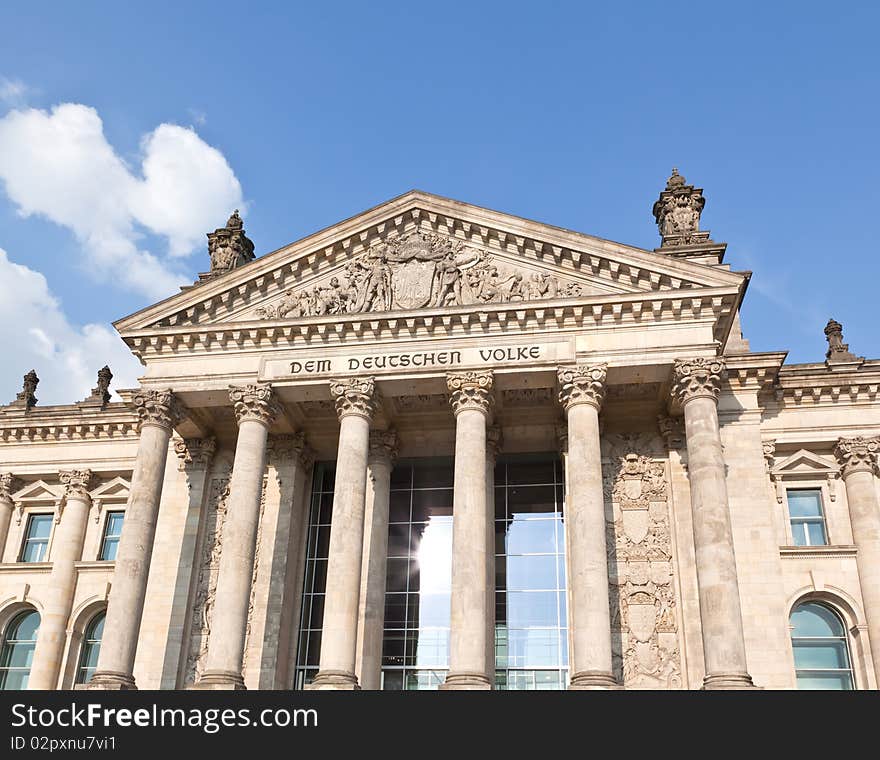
column 440, row 446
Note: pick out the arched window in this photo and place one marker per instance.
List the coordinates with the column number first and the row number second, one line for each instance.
column 18, row 650
column 91, row 646
column 821, row 653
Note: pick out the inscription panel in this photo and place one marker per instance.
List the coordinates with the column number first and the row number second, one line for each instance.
column 376, row 361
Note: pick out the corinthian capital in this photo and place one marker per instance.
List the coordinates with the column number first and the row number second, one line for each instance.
column 583, row 384
column 9, row 484
column 383, row 446
column 76, row 483
column 195, row 453
column 494, row 442
column 157, row 407
column 471, row 390
column 355, row 395
column 254, row 401
column 855, row 454
column 697, row 378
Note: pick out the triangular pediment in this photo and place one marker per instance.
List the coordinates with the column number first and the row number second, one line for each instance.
column 420, row 252
column 38, row 491
column 116, row 489
column 803, row 462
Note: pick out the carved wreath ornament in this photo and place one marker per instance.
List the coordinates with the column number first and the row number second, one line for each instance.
column 417, row 270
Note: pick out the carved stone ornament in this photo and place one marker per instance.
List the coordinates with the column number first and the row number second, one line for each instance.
column 677, row 212
column 229, row 247
column 769, row 450
column 254, row 401
column 157, row 407
column 287, row 448
column 9, row 484
column 838, row 351
column 418, row 270
column 583, row 384
column 383, row 446
column 640, row 561
column 672, row 431
column 100, row 395
column 494, row 442
column 355, row 395
column 195, row 453
column 697, row 378
column 25, row 397
column 857, row 454
column 471, row 390
column 76, row 483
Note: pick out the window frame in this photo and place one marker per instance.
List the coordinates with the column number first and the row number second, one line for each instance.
column 822, row 519
column 26, row 539
column 106, row 524
column 841, row 617
column 15, row 620
column 86, row 643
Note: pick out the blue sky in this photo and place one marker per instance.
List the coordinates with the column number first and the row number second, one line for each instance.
column 304, row 114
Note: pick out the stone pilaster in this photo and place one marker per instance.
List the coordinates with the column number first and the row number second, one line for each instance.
column 858, row 461
column 383, row 452
column 158, row 411
column 66, row 551
column 356, row 400
column 9, row 484
column 255, row 410
column 472, row 401
column 581, row 393
column 696, row 386
column 494, row 445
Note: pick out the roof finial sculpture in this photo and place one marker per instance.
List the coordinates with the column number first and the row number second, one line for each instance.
column 25, row 397
column 838, row 351
column 229, row 247
column 677, row 212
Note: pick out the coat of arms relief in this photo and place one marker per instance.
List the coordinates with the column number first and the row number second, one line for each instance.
column 643, row 596
column 417, row 270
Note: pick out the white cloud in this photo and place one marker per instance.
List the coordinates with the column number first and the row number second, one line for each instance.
column 36, row 334
column 58, row 164
column 12, row 91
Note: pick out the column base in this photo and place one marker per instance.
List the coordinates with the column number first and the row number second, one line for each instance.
column 220, row 680
column 334, row 680
column 466, row 682
column 111, row 680
column 728, row 682
column 592, row 680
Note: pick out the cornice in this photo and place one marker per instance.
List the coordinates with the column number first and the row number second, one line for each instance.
column 818, row 552
column 618, row 266
column 756, row 371
column 67, row 423
column 637, row 309
column 817, row 384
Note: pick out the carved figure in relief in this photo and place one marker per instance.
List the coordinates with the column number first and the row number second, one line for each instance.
column 413, row 271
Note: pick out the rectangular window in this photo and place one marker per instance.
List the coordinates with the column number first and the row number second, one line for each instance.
column 807, row 517
column 36, row 540
column 112, row 533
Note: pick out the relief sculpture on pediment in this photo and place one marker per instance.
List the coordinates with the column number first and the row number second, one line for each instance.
column 414, row 271
column 643, row 598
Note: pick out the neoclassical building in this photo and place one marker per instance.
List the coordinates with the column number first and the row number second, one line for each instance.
column 437, row 446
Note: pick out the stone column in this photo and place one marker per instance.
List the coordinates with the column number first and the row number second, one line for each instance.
column 383, row 452
column 255, row 409
column 858, row 460
column 472, row 402
column 67, row 547
column 8, row 486
column 697, row 385
column 356, row 400
column 494, row 442
column 582, row 390
column 158, row 412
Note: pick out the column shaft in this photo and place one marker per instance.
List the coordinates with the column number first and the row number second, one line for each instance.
column 697, row 384
column 158, row 412
column 468, row 648
column 67, row 547
column 582, row 390
column 857, row 455
column 255, row 410
column 355, row 403
column 373, row 566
